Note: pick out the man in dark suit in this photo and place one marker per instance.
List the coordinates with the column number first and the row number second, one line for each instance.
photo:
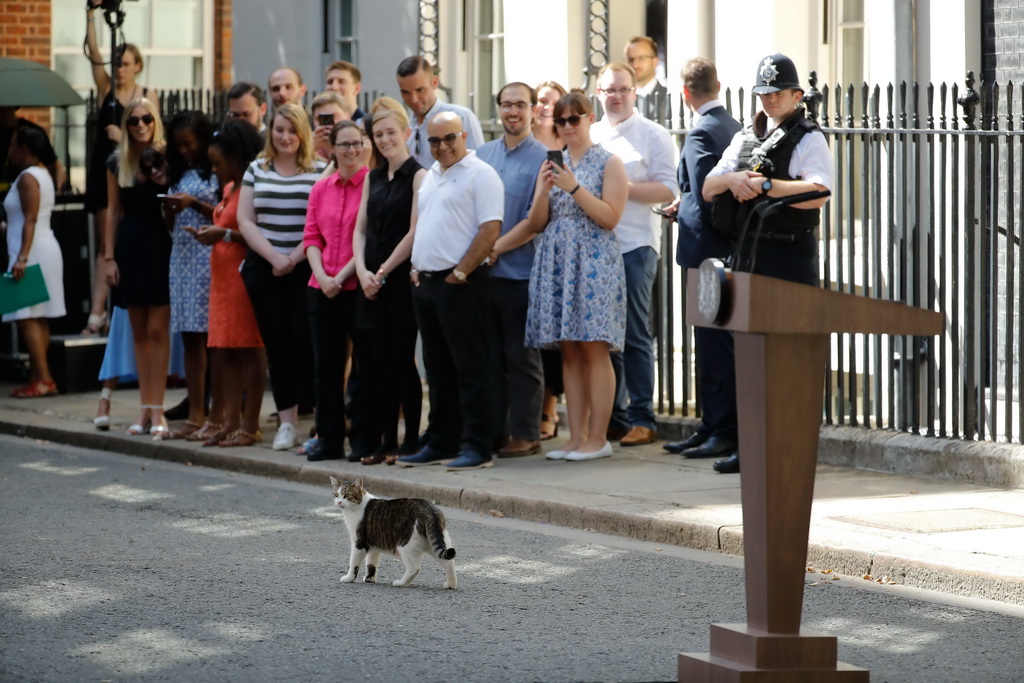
column 652, row 96
column 711, row 134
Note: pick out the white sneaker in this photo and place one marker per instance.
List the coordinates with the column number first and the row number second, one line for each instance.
column 604, row 452
column 286, row 437
column 556, row 455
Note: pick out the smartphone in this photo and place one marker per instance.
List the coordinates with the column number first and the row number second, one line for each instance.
column 162, row 196
column 325, row 119
column 662, row 212
column 555, row 157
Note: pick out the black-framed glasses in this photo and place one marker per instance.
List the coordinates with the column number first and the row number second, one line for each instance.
column 349, row 145
column 610, row 92
column 134, row 120
column 447, row 139
column 239, row 114
column 573, row 121
column 518, row 106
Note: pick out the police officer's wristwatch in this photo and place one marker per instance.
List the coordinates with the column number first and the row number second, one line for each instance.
column 766, row 186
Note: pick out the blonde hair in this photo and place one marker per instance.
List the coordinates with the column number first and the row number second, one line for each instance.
column 128, row 161
column 297, row 116
column 384, row 112
column 387, row 103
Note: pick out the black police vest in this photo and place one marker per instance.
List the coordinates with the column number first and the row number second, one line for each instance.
column 775, row 165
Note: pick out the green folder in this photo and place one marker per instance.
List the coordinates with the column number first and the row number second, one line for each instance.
column 28, row 291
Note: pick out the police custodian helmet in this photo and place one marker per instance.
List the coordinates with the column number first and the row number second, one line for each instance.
column 776, row 72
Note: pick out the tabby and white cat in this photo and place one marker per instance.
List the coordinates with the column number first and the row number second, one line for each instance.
column 407, row 527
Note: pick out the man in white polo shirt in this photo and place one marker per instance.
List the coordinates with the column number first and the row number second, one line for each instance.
column 460, row 207
column 650, row 158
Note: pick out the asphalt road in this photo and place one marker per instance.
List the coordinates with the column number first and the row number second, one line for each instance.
column 119, row 568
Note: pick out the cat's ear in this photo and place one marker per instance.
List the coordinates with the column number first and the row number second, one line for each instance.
column 334, row 482
column 359, row 482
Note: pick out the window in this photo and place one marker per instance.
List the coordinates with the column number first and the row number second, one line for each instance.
column 487, row 64
column 345, row 40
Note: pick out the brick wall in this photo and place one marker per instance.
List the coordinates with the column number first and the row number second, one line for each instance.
column 222, row 77
column 1003, row 40
column 25, row 34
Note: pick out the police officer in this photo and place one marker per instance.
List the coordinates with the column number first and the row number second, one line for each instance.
column 782, row 153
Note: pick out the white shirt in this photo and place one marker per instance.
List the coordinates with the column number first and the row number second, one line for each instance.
column 649, row 155
column 647, row 88
column 418, row 145
column 453, row 203
column 811, row 160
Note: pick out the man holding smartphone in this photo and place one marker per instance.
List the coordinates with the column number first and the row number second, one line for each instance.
column 650, row 158
column 517, row 157
column 328, row 109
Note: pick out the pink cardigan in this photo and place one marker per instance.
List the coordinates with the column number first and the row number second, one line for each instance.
column 331, row 220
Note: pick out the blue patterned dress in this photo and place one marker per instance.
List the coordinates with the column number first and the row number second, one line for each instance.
column 577, row 284
column 190, row 260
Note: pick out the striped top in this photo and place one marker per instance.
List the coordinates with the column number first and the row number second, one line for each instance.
column 280, row 203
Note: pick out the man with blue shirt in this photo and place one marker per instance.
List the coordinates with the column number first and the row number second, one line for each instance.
column 517, row 157
column 418, row 84
column 650, row 158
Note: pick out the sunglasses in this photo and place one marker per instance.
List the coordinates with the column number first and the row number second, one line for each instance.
column 133, row 121
column 573, row 121
column 157, row 165
column 447, row 139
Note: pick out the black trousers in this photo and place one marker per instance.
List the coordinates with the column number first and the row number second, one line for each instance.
column 387, row 360
column 282, row 317
column 716, row 367
column 330, row 322
column 453, row 322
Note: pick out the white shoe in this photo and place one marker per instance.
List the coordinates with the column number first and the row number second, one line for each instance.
column 556, row 455
column 286, row 437
column 604, row 452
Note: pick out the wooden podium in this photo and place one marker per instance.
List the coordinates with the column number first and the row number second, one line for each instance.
column 781, row 339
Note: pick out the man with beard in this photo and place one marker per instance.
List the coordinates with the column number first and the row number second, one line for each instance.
column 517, row 157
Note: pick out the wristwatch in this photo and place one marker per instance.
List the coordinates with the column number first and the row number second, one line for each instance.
column 767, row 185
column 459, row 275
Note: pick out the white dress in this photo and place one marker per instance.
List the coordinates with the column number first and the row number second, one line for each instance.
column 45, row 250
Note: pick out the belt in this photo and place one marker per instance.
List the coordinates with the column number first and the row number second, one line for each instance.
column 439, row 274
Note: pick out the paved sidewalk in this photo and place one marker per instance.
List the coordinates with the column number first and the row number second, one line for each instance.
column 960, row 538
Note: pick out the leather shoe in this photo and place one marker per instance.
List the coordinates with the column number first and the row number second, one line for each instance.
column 638, row 436
column 517, row 448
column 714, row 446
column 425, row 456
column 730, row 465
column 324, row 451
column 694, row 440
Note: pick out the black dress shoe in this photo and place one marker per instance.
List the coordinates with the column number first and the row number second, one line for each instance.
column 694, row 440
column 730, row 465
column 713, row 447
column 322, row 451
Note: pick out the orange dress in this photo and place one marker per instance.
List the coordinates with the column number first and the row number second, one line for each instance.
column 232, row 322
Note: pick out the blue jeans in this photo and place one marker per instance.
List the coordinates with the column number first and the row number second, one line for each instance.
column 634, row 366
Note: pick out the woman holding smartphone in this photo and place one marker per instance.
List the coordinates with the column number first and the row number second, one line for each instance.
column 193, row 193
column 271, row 216
column 578, row 285
column 138, row 251
column 386, row 325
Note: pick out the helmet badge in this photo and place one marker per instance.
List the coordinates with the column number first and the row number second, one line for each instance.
column 768, row 71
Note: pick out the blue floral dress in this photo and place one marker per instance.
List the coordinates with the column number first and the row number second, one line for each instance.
column 578, row 283
column 190, row 260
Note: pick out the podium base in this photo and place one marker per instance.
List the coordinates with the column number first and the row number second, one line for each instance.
column 740, row 654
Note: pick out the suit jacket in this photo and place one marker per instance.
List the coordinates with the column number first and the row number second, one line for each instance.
column 704, row 146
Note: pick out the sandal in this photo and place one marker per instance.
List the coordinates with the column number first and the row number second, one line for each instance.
column 378, row 456
column 95, row 324
column 139, row 428
column 185, row 430
column 44, row 387
column 102, row 422
column 548, row 426
column 215, row 439
column 204, row 432
column 240, row 437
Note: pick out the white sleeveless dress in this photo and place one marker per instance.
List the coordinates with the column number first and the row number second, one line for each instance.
column 45, row 250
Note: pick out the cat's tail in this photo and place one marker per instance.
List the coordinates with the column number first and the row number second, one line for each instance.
column 437, row 536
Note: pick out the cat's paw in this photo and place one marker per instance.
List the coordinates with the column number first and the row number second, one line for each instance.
column 449, row 586
column 348, row 578
column 399, row 582
column 369, row 579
